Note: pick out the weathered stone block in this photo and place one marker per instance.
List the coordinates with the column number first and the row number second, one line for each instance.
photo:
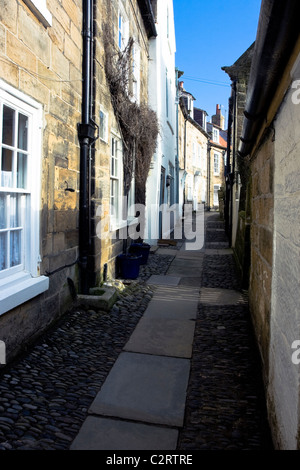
column 65, row 220
column 60, row 14
column 58, row 242
column 48, row 78
column 60, row 64
column 19, row 53
column 99, row 298
column 266, row 244
column 36, row 38
column 73, row 11
column 56, row 34
column 33, row 87
column 71, row 51
column 10, row 73
column 8, row 14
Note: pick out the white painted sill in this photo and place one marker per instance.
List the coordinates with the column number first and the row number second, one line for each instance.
column 21, row 288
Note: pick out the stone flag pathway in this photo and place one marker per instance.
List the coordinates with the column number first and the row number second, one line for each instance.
column 141, row 405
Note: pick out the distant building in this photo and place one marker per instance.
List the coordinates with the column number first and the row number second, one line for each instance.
column 217, row 152
column 192, row 145
column 200, row 117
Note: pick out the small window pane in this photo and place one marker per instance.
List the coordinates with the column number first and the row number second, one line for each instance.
column 102, row 126
column 115, row 167
column 3, row 248
column 3, row 223
column 8, row 125
column 15, row 248
column 7, row 167
column 22, row 171
column 14, row 212
column 114, row 197
column 23, row 132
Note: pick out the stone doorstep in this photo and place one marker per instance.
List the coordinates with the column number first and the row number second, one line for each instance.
column 99, row 302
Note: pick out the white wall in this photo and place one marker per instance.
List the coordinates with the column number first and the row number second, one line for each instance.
column 283, row 390
column 162, row 58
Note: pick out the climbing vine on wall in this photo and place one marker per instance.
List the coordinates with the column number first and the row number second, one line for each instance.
column 137, row 122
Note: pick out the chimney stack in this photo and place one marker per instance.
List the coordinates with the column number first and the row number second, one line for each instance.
column 218, row 119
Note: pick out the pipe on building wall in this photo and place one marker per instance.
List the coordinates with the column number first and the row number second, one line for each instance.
column 86, row 136
column 278, row 31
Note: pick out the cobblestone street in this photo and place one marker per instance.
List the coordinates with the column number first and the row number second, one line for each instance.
column 46, row 393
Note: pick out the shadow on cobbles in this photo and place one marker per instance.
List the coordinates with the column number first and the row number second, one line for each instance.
column 226, row 403
column 226, row 406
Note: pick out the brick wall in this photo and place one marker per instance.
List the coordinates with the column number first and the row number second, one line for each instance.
column 106, row 248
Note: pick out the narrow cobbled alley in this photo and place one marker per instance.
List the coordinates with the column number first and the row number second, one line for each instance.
column 225, row 407
column 45, row 395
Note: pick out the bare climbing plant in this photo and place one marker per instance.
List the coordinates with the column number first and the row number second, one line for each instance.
column 137, row 122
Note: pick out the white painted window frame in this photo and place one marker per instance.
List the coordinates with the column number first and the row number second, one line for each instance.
column 215, row 195
column 136, row 72
column 19, row 286
column 104, row 138
column 116, row 221
column 215, row 133
column 217, row 173
column 123, row 30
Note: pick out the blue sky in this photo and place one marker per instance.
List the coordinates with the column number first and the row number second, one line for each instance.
column 209, row 35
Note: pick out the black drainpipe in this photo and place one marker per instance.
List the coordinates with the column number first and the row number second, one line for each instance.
column 86, row 136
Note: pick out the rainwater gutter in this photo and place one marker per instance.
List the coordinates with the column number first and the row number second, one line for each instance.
column 86, row 136
column 278, row 31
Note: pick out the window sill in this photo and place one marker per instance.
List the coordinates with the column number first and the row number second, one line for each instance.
column 40, row 10
column 21, row 288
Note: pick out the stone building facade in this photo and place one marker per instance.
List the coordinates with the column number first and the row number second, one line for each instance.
column 269, row 143
column 192, row 145
column 236, row 171
column 217, row 151
column 127, row 21
column 41, row 97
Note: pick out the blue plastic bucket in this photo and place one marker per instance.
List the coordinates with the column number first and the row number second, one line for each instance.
column 142, row 249
column 129, row 266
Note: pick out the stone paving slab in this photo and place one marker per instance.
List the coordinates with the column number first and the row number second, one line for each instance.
column 217, row 245
column 187, row 255
column 215, row 296
column 110, row 434
column 163, row 280
column 173, row 303
column 189, row 263
column 220, row 251
column 184, row 270
column 149, row 337
column 193, row 246
column 145, row 388
column 167, row 251
column 190, row 281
